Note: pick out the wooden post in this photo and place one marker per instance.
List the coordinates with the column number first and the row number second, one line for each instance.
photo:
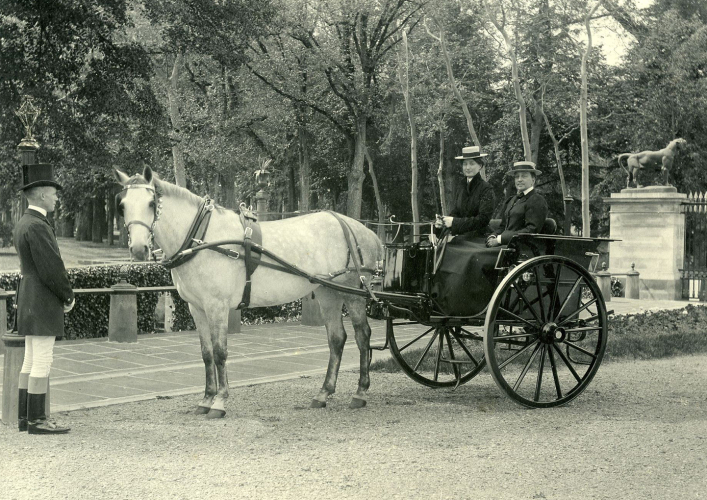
column 122, row 322
column 632, row 283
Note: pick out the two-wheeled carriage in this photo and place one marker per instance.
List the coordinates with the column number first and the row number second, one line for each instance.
column 542, row 332
column 536, row 318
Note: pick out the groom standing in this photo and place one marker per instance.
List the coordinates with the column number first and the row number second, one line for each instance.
column 43, row 297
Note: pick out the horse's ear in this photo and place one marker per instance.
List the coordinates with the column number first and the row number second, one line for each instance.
column 147, row 174
column 120, row 176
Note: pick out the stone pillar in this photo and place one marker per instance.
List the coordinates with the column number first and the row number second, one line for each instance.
column 604, row 283
column 632, row 283
column 652, row 232
column 122, row 321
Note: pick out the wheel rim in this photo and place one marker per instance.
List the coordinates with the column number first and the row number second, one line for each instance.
column 442, row 356
column 545, row 332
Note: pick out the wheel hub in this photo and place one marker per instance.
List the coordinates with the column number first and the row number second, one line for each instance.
column 551, row 333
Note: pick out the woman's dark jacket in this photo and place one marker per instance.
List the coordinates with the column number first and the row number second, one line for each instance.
column 524, row 214
column 472, row 208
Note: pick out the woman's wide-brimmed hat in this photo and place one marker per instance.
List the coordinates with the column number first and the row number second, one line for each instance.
column 524, row 166
column 39, row 174
column 470, row 153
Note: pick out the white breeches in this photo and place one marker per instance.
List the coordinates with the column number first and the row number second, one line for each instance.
column 39, row 353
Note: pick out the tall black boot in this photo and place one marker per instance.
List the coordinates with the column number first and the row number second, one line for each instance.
column 22, row 410
column 37, row 417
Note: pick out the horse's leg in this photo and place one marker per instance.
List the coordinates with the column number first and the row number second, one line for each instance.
column 207, row 354
column 330, row 303
column 357, row 311
column 218, row 326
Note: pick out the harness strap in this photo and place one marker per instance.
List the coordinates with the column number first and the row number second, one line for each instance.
column 194, row 237
column 250, row 227
column 346, row 229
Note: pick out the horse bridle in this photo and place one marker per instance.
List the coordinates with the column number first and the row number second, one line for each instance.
column 158, row 211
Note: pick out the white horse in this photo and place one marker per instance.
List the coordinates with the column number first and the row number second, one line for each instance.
column 212, row 283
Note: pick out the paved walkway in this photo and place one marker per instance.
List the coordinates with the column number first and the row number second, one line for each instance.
column 90, row 373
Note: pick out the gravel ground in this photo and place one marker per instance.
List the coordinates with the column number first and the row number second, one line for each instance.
column 638, row 432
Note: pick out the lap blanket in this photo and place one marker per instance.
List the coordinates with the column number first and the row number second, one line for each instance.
column 466, row 278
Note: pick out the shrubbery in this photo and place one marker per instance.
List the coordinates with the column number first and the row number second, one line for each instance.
column 89, row 318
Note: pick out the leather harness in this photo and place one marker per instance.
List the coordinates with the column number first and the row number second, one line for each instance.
column 252, row 249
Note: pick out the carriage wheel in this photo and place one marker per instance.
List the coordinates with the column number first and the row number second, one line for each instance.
column 442, row 356
column 545, row 332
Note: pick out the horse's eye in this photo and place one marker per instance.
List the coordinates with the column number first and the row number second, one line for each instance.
column 152, row 204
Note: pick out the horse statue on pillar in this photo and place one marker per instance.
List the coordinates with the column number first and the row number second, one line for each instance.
column 661, row 159
column 160, row 213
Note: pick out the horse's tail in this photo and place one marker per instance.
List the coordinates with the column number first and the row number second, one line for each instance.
column 621, row 157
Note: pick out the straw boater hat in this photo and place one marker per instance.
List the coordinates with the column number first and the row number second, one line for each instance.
column 524, row 166
column 470, row 153
column 40, row 174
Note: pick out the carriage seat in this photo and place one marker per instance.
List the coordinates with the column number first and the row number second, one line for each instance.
column 549, row 227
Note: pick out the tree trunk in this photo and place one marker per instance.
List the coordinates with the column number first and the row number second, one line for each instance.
column 355, row 175
column 85, row 221
column 583, row 127
column 99, row 217
column 536, row 128
column 110, row 216
column 176, row 135
column 458, row 95
column 405, row 84
column 379, row 201
column 440, row 173
column 304, row 177
column 291, row 189
column 522, row 112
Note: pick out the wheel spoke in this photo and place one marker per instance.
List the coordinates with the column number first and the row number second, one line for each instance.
column 464, row 348
column 590, row 354
column 451, row 355
column 555, row 289
column 440, row 346
column 540, row 294
column 515, row 316
column 583, row 329
column 522, row 296
column 577, row 312
column 554, row 374
column 416, row 339
column 510, row 360
column 539, row 382
column 526, row 368
column 566, row 361
column 424, row 353
column 567, row 299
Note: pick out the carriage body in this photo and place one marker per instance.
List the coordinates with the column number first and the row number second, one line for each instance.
column 540, row 327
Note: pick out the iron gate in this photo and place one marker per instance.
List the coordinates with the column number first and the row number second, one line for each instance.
column 694, row 272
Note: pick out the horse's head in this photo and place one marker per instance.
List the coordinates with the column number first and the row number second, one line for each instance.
column 138, row 204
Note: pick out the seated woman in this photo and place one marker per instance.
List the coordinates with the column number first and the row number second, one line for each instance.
column 525, row 212
column 473, row 198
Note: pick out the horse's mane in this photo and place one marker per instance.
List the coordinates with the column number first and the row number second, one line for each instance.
column 164, row 188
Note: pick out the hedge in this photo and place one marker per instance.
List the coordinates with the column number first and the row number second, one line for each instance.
column 89, row 318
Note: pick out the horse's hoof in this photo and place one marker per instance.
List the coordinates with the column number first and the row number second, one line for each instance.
column 357, row 403
column 318, row 404
column 202, row 410
column 213, row 413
